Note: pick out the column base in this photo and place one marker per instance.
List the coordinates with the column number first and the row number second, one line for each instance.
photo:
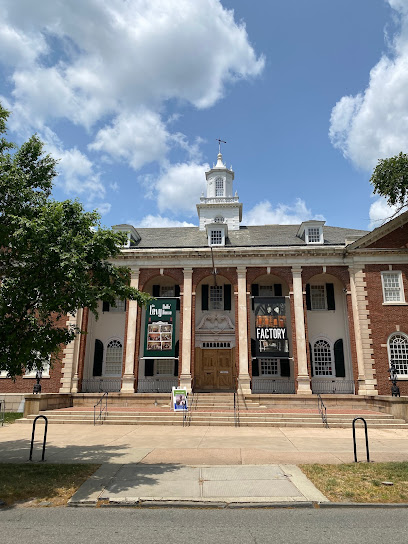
column 128, row 383
column 303, row 385
column 74, row 387
column 244, row 385
column 185, row 382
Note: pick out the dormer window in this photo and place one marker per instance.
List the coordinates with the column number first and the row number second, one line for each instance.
column 311, row 232
column 313, row 235
column 219, row 187
column 216, row 237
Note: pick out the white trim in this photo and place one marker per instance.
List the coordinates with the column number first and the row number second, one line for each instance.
column 397, row 333
column 333, row 362
column 105, row 350
column 398, row 273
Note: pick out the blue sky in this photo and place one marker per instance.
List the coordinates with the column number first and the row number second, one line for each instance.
column 132, row 94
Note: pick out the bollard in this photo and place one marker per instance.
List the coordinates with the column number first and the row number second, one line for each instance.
column 354, row 438
column 44, row 440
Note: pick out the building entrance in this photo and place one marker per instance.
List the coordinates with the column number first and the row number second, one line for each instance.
column 214, row 370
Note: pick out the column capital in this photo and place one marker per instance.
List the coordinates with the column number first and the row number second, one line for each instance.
column 241, row 270
column 296, row 271
column 188, row 271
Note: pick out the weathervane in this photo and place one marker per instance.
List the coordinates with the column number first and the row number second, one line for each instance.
column 219, row 144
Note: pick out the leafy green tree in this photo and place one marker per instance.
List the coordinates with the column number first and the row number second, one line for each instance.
column 54, row 258
column 390, row 179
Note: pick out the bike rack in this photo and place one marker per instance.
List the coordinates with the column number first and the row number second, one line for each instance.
column 366, row 438
column 44, row 440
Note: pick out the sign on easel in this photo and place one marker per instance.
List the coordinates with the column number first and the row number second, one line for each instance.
column 179, row 399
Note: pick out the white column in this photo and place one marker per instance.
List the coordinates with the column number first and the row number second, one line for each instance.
column 303, row 378
column 128, row 380
column 185, row 376
column 69, row 380
column 244, row 382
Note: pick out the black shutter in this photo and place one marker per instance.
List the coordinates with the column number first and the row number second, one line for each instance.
column 149, row 367
column 156, row 291
column 254, row 292
column 308, row 300
column 330, row 296
column 176, row 349
column 105, row 306
column 204, row 297
column 176, row 364
column 253, row 347
column 177, row 294
column 255, row 367
column 125, row 305
column 285, row 368
column 339, row 359
column 227, row 297
column 311, row 359
column 277, row 289
column 98, row 358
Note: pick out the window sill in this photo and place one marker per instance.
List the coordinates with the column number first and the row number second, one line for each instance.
column 33, row 377
column 395, row 303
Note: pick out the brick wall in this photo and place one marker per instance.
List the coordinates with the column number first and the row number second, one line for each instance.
column 395, row 239
column 385, row 320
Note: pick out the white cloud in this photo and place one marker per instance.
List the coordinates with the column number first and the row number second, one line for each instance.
column 158, row 221
column 374, row 124
column 103, row 208
column 380, row 212
column 178, row 186
column 283, row 214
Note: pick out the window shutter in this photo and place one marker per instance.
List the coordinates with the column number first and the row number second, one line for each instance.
column 330, row 296
column 311, row 359
column 255, row 367
column 285, row 368
column 98, row 358
column 339, row 359
column 227, row 297
column 177, row 294
column 149, row 367
column 176, row 366
column 204, row 297
column 125, row 306
column 176, row 349
column 254, row 292
column 156, row 291
column 253, row 347
column 277, row 289
column 105, row 306
column 308, row 300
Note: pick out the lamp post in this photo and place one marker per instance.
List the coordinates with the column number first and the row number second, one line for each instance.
column 395, row 391
column 37, row 386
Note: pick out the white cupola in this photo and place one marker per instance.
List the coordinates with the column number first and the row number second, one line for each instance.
column 220, row 206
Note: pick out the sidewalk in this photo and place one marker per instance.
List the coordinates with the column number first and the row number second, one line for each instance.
column 217, row 465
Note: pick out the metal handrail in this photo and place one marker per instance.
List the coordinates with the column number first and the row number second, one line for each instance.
column 44, row 439
column 322, row 410
column 101, row 408
column 236, row 409
column 2, row 411
column 366, row 438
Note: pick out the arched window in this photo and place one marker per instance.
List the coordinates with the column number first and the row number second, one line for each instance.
column 113, row 361
column 219, row 219
column 219, row 187
column 322, row 358
column 398, row 352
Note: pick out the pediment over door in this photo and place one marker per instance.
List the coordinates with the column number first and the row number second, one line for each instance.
column 216, row 323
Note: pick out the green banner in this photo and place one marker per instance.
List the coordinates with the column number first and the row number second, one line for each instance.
column 160, row 328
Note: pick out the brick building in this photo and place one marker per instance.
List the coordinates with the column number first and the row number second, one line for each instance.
column 264, row 309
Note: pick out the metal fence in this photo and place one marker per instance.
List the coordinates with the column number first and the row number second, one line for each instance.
column 269, row 385
column 101, row 385
column 156, row 385
column 332, row 387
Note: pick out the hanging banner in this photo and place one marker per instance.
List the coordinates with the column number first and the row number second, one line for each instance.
column 160, row 328
column 271, row 333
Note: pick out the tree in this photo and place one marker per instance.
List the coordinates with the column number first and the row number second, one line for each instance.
column 54, row 258
column 390, row 179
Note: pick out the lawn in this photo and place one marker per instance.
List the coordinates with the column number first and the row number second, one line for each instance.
column 41, row 483
column 361, row 482
column 10, row 417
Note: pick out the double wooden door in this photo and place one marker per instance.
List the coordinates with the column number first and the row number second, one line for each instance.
column 214, row 370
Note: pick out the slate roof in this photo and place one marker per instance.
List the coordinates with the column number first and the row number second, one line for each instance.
column 256, row 236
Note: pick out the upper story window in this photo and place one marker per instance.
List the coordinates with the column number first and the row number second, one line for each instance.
column 392, row 287
column 318, row 297
column 266, row 290
column 120, row 306
column 219, row 187
column 113, row 361
column 322, row 358
column 313, row 235
column 398, row 352
column 167, row 290
column 216, row 297
column 216, row 238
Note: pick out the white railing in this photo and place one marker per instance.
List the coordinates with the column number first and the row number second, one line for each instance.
column 101, row 385
column 156, row 385
column 270, row 385
column 334, row 386
column 219, row 200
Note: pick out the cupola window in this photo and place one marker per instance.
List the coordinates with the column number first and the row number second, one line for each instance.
column 219, row 187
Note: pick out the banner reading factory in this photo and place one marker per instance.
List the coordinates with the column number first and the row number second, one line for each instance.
column 271, row 331
column 160, row 328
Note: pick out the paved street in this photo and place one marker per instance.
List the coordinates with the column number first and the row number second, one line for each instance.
column 166, row 525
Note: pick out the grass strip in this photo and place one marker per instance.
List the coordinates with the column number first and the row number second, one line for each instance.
column 36, row 483
column 361, row 482
column 10, row 417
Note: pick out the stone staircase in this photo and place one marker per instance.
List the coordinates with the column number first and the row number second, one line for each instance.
column 217, row 409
